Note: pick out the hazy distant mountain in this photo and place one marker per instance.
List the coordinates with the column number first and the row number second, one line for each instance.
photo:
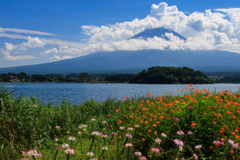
column 135, row 61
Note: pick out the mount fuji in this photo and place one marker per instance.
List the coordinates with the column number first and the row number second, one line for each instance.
column 135, row 61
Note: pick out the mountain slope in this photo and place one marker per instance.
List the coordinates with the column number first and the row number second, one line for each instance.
column 135, row 61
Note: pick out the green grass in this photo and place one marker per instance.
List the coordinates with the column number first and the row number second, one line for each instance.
column 27, row 124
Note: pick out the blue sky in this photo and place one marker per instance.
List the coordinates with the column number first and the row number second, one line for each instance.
column 33, row 31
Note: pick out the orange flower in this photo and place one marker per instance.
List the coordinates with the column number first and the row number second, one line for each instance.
column 143, row 139
column 108, row 115
column 154, row 125
column 214, row 122
column 140, row 134
column 116, row 110
column 194, row 124
column 211, row 147
column 110, row 125
column 217, row 144
column 149, row 130
column 131, row 116
column 232, row 151
column 186, row 87
column 222, row 139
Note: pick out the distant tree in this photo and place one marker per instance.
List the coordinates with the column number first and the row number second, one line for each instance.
column 169, row 75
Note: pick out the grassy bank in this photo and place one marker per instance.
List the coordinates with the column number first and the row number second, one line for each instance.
column 199, row 124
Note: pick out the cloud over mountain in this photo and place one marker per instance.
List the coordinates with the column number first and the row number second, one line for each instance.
column 218, row 29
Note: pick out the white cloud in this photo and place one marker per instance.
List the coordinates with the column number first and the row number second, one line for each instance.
column 14, row 58
column 57, row 58
column 15, row 30
column 13, row 36
column 204, row 30
column 31, row 43
column 9, row 46
column 4, row 52
column 53, row 50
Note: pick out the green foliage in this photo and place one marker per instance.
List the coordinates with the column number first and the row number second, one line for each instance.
column 229, row 79
column 26, row 124
column 170, row 75
column 119, row 78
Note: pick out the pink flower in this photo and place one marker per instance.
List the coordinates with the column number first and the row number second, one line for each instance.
column 180, row 133
column 164, row 135
column 138, row 153
column 69, row 150
column 155, row 150
column 58, row 147
column 142, row 158
column 178, row 142
column 198, row 146
column 32, row 152
column 195, row 156
column 128, row 135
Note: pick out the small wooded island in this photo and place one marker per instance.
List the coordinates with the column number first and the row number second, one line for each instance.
column 170, row 75
column 154, row 75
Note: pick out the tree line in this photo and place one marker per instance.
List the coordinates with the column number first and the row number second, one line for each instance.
column 154, row 75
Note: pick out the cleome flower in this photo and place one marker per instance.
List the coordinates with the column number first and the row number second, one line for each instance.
column 142, row 158
column 128, row 135
column 104, row 122
column 178, row 142
column 180, row 133
column 158, row 140
column 137, row 153
column 114, row 133
column 93, row 119
column 128, row 145
column 130, row 129
column 96, row 133
column 83, row 126
column 104, row 136
column 69, row 150
column 32, row 152
column 90, row 154
column 164, row 135
column 65, row 145
column 157, row 150
column 136, row 126
column 198, row 146
column 104, row 148
column 176, row 119
column 121, row 128
column 71, row 138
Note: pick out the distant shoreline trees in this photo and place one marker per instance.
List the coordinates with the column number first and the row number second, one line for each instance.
column 154, row 75
column 170, row 75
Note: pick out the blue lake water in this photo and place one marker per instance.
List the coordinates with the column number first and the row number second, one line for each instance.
column 77, row 93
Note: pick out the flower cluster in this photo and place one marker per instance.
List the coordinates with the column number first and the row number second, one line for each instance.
column 32, row 152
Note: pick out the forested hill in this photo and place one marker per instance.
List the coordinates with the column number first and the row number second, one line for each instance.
column 170, row 75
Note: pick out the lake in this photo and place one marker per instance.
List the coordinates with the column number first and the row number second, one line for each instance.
column 77, row 93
